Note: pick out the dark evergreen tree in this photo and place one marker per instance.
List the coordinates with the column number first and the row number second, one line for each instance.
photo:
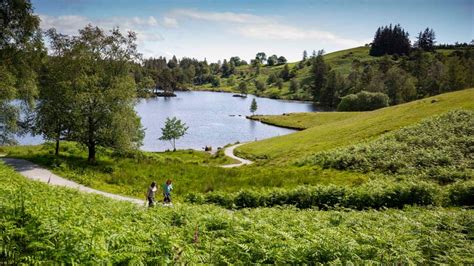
column 319, row 72
column 390, row 40
column 426, row 40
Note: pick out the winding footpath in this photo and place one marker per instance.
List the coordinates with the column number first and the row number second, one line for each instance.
column 229, row 152
column 36, row 172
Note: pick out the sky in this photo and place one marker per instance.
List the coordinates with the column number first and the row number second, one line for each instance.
column 216, row 30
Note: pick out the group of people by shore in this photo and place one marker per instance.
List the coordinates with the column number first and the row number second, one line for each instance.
column 167, row 188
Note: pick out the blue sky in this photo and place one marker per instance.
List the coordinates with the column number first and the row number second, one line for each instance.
column 221, row 29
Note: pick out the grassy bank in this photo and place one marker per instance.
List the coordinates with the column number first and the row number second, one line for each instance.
column 192, row 171
column 40, row 224
column 328, row 131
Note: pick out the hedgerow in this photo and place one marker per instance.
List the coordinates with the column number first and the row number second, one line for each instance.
column 374, row 194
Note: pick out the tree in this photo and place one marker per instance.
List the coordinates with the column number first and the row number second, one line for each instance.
column 281, row 60
column 305, row 55
column 329, row 91
column 97, row 73
column 285, row 73
column 319, row 72
column 261, row 57
column 216, row 81
column 399, row 86
column 363, row 101
column 21, row 53
column 294, row 86
column 259, row 85
column 272, row 78
column 272, row 60
column 390, row 40
column 55, row 110
column 243, row 87
column 253, row 106
column 426, row 40
column 173, row 130
column 279, row 83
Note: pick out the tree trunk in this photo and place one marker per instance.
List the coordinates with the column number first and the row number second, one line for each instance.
column 58, row 136
column 174, row 144
column 91, row 157
column 56, row 152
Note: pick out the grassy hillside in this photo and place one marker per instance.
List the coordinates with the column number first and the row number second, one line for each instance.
column 340, row 60
column 40, row 224
column 304, row 120
column 332, row 130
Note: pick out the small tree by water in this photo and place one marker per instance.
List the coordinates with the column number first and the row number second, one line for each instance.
column 173, row 130
column 253, row 106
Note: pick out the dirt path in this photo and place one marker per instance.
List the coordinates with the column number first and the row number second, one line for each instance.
column 229, row 152
column 36, row 172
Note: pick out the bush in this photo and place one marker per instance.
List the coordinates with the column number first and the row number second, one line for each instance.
column 461, row 194
column 373, row 195
column 363, row 101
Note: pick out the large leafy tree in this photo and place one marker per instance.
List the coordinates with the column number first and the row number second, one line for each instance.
column 91, row 74
column 21, row 52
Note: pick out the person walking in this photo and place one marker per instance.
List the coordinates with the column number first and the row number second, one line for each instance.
column 150, row 195
column 167, row 188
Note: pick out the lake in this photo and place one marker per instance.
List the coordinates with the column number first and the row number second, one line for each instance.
column 214, row 119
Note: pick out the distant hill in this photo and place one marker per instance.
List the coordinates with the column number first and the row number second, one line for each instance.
column 341, row 61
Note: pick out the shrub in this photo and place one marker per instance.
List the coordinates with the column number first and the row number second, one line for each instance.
column 363, row 101
column 372, row 195
column 461, row 194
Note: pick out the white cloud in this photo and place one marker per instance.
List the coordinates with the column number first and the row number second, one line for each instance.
column 146, row 28
column 262, row 27
column 219, row 16
column 285, row 32
column 170, row 22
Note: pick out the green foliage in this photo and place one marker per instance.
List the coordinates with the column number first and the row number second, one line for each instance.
column 243, row 87
column 363, row 101
column 461, row 193
column 437, row 148
column 253, row 106
column 173, row 130
column 88, row 93
column 51, row 225
column 390, row 40
column 21, row 55
column 374, row 194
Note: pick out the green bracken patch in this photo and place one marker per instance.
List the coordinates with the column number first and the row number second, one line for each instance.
column 438, row 148
column 40, row 224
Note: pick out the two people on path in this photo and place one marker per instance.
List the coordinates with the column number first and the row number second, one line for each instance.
column 167, row 188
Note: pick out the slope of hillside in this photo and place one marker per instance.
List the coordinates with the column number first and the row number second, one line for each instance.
column 41, row 224
column 332, row 133
column 340, row 61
